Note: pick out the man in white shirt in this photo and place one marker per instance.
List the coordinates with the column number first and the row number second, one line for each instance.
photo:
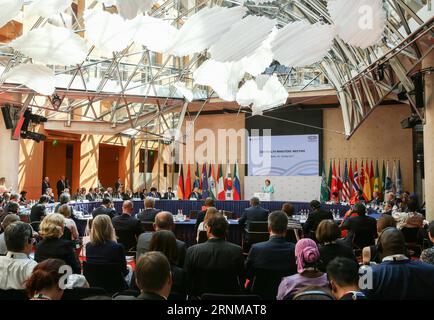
column 16, row 266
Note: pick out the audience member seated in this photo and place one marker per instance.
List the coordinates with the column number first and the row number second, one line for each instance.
column 427, row 254
column 352, row 212
column 388, row 208
column 37, row 213
column 314, row 218
column 52, row 246
column 106, row 207
column 362, row 229
column 343, row 275
column 216, row 255
column 9, row 219
column 154, row 193
column 165, row 242
column 64, row 198
column 209, row 213
column 81, row 194
column 370, row 254
column 23, row 198
column 153, row 277
column 90, row 196
column 410, row 219
column 126, row 194
column 254, row 213
column 169, row 195
column 293, row 224
column 16, row 266
column 209, row 202
column 103, row 247
column 327, row 235
column 149, row 213
column 307, row 257
column 65, row 211
column 13, row 205
column 163, row 221
column 50, row 194
column 44, row 282
column 195, row 194
column 127, row 227
column 397, row 277
column 276, row 254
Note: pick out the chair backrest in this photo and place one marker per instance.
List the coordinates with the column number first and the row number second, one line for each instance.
column 214, row 281
column 312, row 295
column 265, row 282
column 230, row 297
column 147, row 226
column 83, row 293
column 127, row 239
column 202, row 237
column 293, row 235
column 363, row 239
column 13, row 294
column 410, row 234
column 258, row 226
column 35, row 225
column 193, row 214
column 106, row 276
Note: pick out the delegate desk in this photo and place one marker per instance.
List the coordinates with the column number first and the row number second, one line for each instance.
column 185, row 230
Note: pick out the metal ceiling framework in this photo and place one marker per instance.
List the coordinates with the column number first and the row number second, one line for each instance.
column 352, row 71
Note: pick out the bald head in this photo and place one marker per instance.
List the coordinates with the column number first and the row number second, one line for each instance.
column 163, row 221
column 391, row 242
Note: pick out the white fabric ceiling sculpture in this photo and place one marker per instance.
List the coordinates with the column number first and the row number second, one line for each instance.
column 129, row 9
column 9, row 10
column 265, row 92
column 51, row 45
column 107, row 32
column 34, row 76
column 183, row 90
column 359, row 22
column 222, row 77
column 204, row 28
column 242, row 39
column 155, row 34
column 47, row 8
column 301, row 44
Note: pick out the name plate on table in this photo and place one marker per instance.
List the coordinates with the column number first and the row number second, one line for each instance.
column 263, row 196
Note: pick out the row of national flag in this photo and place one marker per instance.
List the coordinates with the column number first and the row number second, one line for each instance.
column 210, row 182
column 347, row 185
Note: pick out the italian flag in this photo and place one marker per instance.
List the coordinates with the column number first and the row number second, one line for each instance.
column 220, row 184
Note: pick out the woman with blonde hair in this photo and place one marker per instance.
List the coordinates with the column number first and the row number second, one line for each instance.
column 52, row 246
column 65, row 211
column 210, row 212
column 103, row 247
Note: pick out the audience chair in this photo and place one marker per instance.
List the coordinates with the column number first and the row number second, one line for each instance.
column 35, row 225
column 106, row 276
column 13, row 295
column 257, row 231
column 265, row 282
column 412, row 242
column 293, row 235
column 213, row 281
column 147, row 226
column 83, row 293
column 202, row 237
column 230, row 297
column 312, row 295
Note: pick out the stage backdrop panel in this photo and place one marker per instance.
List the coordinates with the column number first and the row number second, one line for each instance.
column 290, row 188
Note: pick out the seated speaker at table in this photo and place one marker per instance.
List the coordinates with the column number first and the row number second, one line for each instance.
column 195, row 195
column 268, row 187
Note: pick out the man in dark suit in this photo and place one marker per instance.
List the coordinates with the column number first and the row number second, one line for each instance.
column 397, row 277
column 276, row 254
column 314, row 218
column 60, row 186
column 38, row 210
column 127, row 228
column 105, row 208
column 254, row 213
column 195, row 194
column 45, row 185
column 362, row 229
column 209, row 202
column 169, row 195
column 154, row 193
column 149, row 213
column 153, row 277
column 216, row 264
column 163, row 221
column 118, row 184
